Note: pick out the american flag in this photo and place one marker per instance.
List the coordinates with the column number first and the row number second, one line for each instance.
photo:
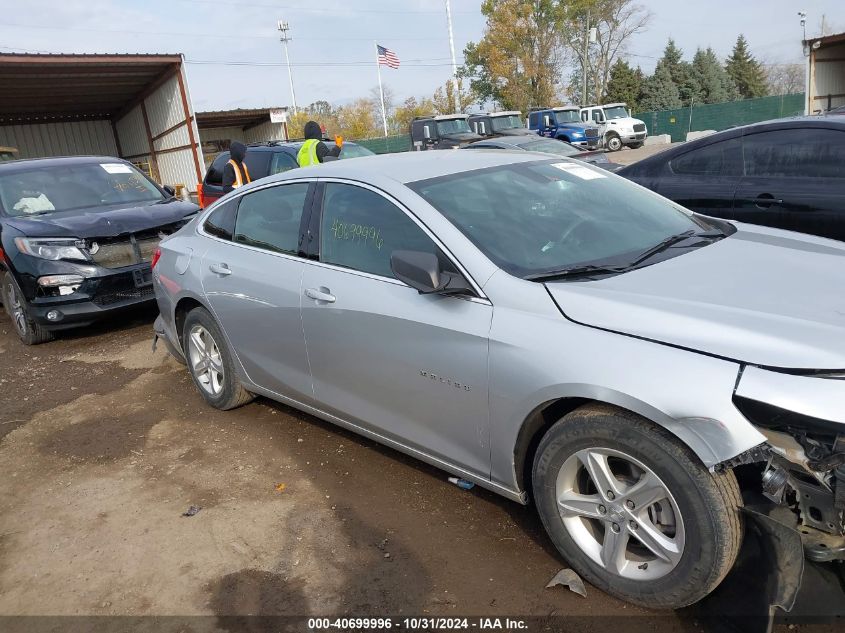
column 387, row 57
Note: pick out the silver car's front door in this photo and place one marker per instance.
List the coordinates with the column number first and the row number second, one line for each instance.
column 252, row 278
column 408, row 366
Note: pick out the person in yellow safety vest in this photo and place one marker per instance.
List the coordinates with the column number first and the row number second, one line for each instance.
column 313, row 150
column 235, row 173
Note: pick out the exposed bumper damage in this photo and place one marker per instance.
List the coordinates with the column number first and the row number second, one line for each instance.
column 802, row 417
column 799, row 475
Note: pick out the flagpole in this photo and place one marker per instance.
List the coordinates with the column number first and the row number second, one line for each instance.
column 381, row 90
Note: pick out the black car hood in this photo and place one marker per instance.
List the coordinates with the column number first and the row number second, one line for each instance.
column 102, row 222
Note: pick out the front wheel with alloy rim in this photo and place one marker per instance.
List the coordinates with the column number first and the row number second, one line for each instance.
column 613, row 143
column 633, row 510
column 29, row 332
column 210, row 362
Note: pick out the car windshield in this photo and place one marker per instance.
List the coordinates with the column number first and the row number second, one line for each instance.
column 616, row 112
column 452, row 126
column 499, row 123
column 537, row 218
column 567, row 116
column 74, row 186
column 550, row 146
column 354, row 151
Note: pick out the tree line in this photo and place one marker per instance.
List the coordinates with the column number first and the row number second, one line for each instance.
column 534, row 53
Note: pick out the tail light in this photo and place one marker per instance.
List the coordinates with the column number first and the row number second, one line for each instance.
column 156, row 257
column 200, row 197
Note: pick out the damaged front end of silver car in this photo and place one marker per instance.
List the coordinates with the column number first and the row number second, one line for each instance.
column 793, row 490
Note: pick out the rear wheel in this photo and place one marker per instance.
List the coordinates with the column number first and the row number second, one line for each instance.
column 633, row 510
column 210, row 362
column 29, row 332
column 613, row 142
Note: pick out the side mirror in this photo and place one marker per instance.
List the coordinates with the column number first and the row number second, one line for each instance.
column 422, row 272
column 170, row 191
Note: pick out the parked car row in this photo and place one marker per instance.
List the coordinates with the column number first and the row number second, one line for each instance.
column 500, row 300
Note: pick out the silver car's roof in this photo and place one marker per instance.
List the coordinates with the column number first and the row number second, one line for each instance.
column 410, row 166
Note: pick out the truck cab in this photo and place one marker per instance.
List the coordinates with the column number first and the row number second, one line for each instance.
column 444, row 131
column 564, row 123
column 617, row 127
column 495, row 124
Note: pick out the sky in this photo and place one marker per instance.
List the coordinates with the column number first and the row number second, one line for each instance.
column 332, row 47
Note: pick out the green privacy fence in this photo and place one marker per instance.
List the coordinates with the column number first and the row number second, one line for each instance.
column 387, row 144
column 720, row 116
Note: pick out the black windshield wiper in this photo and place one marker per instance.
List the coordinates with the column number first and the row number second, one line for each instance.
column 576, row 271
column 660, row 247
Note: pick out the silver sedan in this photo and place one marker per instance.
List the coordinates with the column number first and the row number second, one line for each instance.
column 544, row 329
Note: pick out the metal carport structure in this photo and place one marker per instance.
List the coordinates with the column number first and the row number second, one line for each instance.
column 135, row 106
column 248, row 125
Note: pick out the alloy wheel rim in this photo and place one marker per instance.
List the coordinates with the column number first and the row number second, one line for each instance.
column 620, row 514
column 16, row 308
column 206, row 360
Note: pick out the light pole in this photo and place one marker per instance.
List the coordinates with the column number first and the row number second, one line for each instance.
column 584, row 54
column 452, row 49
column 283, row 29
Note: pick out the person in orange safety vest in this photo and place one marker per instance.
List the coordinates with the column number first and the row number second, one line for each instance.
column 235, row 173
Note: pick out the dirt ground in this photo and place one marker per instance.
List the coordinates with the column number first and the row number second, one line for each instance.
column 105, row 445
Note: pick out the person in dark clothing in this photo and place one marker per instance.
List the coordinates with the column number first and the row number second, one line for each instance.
column 235, row 173
column 313, row 150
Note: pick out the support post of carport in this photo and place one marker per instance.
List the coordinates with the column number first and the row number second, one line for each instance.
column 189, row 123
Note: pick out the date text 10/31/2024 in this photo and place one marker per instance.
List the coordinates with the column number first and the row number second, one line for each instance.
column 420, row 623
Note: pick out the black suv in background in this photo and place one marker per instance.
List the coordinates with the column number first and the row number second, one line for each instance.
column 78, row 238
column 262, row 160
column 786, row 174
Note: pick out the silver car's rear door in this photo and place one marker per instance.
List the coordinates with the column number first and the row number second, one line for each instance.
column 408, row 366
column 253, row 283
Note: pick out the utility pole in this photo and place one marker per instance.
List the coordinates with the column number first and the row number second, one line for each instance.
column 452, row 49
column 283, row 29
column 584, row 53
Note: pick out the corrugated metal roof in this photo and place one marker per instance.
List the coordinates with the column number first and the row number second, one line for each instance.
column 241, row 117
column 48, row 87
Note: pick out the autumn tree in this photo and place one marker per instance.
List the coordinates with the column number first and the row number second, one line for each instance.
column 405, row 113
column 447, row 100
column 746, row 71
column 356, row 120
column 519, row 57
column 715, row 84
column 625, row 84
column 615, row 22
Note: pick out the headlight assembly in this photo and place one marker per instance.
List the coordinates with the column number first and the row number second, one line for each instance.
column 53, row 248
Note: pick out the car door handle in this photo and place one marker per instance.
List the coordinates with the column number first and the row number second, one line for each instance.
column 320, row 294
column 220, row 269
column 765, row 200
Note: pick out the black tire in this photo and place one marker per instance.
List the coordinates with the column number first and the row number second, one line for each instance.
column 613, row 142
column 708, row 504
column 635, row 145
column 28, row 331
column 231, row 393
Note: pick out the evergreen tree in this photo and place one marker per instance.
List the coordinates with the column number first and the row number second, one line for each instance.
column 747, row 72
column 681, row 72
column 625, row 84
column 716, row 85
column 660, row 92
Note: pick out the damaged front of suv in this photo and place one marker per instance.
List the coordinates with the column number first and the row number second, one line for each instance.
column 78, row 236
